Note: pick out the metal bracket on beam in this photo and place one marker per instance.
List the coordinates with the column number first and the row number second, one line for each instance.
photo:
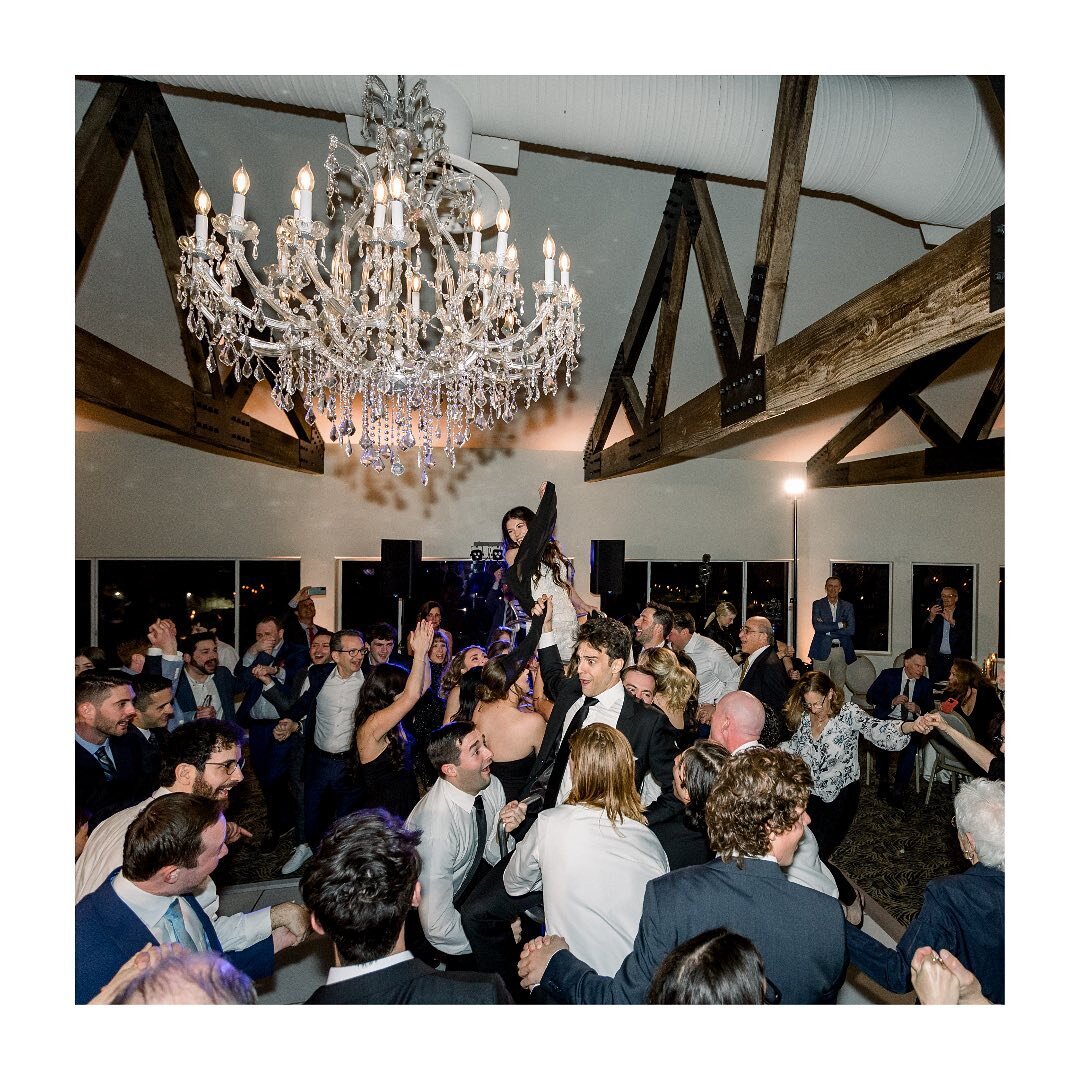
column 753, row 313
column 649, row 442
column 997, row 258
column 593, row 469
column 743, row 395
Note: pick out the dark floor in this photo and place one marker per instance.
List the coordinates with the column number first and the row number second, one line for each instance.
column 891, row 854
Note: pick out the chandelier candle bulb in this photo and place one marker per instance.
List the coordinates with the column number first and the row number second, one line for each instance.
column 549, row 260
column 415, row 286
column 202, row 210
column 379, row 194
column 397, row 210
column 502, row 223
column 476, row 220
column 241, row 185
column 564, row 269
column 294, row 197
column 305, row 180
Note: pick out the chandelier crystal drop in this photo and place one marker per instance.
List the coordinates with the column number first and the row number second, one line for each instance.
column 412, row 332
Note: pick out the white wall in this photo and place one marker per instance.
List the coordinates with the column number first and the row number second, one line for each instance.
column 179, row 502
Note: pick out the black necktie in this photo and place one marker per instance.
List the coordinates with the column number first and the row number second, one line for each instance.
column 563, row 756
column 481, row 842
column 107, row 767
column 905, row 689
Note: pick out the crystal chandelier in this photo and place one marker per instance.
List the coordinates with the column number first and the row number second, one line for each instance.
column 413, row 332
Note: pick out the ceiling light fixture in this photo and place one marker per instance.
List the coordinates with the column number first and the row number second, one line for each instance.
column 413, row 332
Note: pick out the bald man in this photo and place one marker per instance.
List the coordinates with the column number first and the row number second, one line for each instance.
column 736, row 725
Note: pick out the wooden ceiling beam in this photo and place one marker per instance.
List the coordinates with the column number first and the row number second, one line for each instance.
column 113, row 379
column 726, row 316
column 668, row 325
column 962, row 461
column 989, row 405
column 930, row 425
column 787, row 159
column 102, row 145
column 941, row 299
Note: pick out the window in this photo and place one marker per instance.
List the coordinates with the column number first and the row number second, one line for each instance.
column 868, row 586
column 132, row 593
column 767, row 594
column 82, row 602
column 927, row 581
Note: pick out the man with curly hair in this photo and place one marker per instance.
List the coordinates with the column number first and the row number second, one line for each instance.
column 755, row 816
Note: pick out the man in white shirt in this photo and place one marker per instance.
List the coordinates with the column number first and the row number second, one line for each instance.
column 170, row 849
column 201, row 758
column 324, row 714
column 372, row 965
column 458, row 819
column 717, row 673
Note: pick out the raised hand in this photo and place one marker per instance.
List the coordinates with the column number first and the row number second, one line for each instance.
column 422, row 637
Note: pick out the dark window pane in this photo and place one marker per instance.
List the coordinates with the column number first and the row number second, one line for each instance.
column 364, row 600
column 725, row 583
column 767, row 594
column 678, row 584
column 866, row 586
column 634, row 591
column 266, row 587
column 132, row 593
column 927, row 581
column 82, row 602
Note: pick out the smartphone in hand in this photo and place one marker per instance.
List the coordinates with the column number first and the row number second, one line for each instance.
column 948, row 705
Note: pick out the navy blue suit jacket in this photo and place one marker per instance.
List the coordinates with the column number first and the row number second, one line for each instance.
column 108, row 934
column 412, row 982
column 825, row 629
column 303, row 709
column 887, row 685
column 185, row 701
column 135, row 777
column 964, row 913
column 291, row 657
column 799, row 933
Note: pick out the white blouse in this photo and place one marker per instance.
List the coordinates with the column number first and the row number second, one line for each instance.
column 833, row 759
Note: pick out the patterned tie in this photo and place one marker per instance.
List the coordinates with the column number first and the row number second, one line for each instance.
column 478, row 854
column 107, row 767
column 563, row 756
column 742, row 670
column 310, row 634
column 174, row 919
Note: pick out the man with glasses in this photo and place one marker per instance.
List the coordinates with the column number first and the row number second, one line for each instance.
column 762, row 672
column 324, row 714
column 201, row 758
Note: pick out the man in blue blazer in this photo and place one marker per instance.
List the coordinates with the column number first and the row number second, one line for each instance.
column 756, row 816
column 900, row 694
column 203, row 685
column 170, row 850
column 833, row 647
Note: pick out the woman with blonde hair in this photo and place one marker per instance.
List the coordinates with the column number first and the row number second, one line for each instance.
column 676, row 692
column 720, row 627
column 594, row 854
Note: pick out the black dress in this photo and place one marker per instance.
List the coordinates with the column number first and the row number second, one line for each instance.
column 389, row 782
column 422, row 720
column 513, row 774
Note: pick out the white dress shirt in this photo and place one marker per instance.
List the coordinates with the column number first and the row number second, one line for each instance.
column 351, row 971
column 447, row 845
column 606, row 711
column 104, row 852
column 716, row 671
column 335, row 708
column 593, row 875
column 150, row 910
column 201, row 690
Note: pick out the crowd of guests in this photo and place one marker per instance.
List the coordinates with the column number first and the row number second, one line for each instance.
column 613, row 816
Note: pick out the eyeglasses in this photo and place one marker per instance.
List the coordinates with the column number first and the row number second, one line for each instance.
column 750, row 630
column 230, row 766
column 350, row 652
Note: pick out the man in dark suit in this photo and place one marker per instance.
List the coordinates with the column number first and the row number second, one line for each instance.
column 170, row 850
column 763, row 673
column 595, row 695
column 153, row 711
column 110, row 767
column 359, row 889
column 900, row 694
column 204, row 689
column 756, row 816
column 833, row 647
column 299, row 622
column 946, row 634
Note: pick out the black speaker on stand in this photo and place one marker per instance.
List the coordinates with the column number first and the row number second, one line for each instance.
column 401, row 572
column 606, row 564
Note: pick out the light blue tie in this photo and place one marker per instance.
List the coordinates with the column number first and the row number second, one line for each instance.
column 174, row 919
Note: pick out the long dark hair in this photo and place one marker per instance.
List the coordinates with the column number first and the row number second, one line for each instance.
column 383, row 684
column 552, row 556
column 497, row 678
column 467, row 691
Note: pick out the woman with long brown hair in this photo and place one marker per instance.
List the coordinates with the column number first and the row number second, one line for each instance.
column 472, row 656
column 594, row 854
column 538, row 567
column 512, row 730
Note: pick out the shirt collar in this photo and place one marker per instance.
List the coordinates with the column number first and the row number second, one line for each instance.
column 613, row 696
column 756, row 653
column 147, row 906
column 351, row 971
column 89, row 747
column 455, row 794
